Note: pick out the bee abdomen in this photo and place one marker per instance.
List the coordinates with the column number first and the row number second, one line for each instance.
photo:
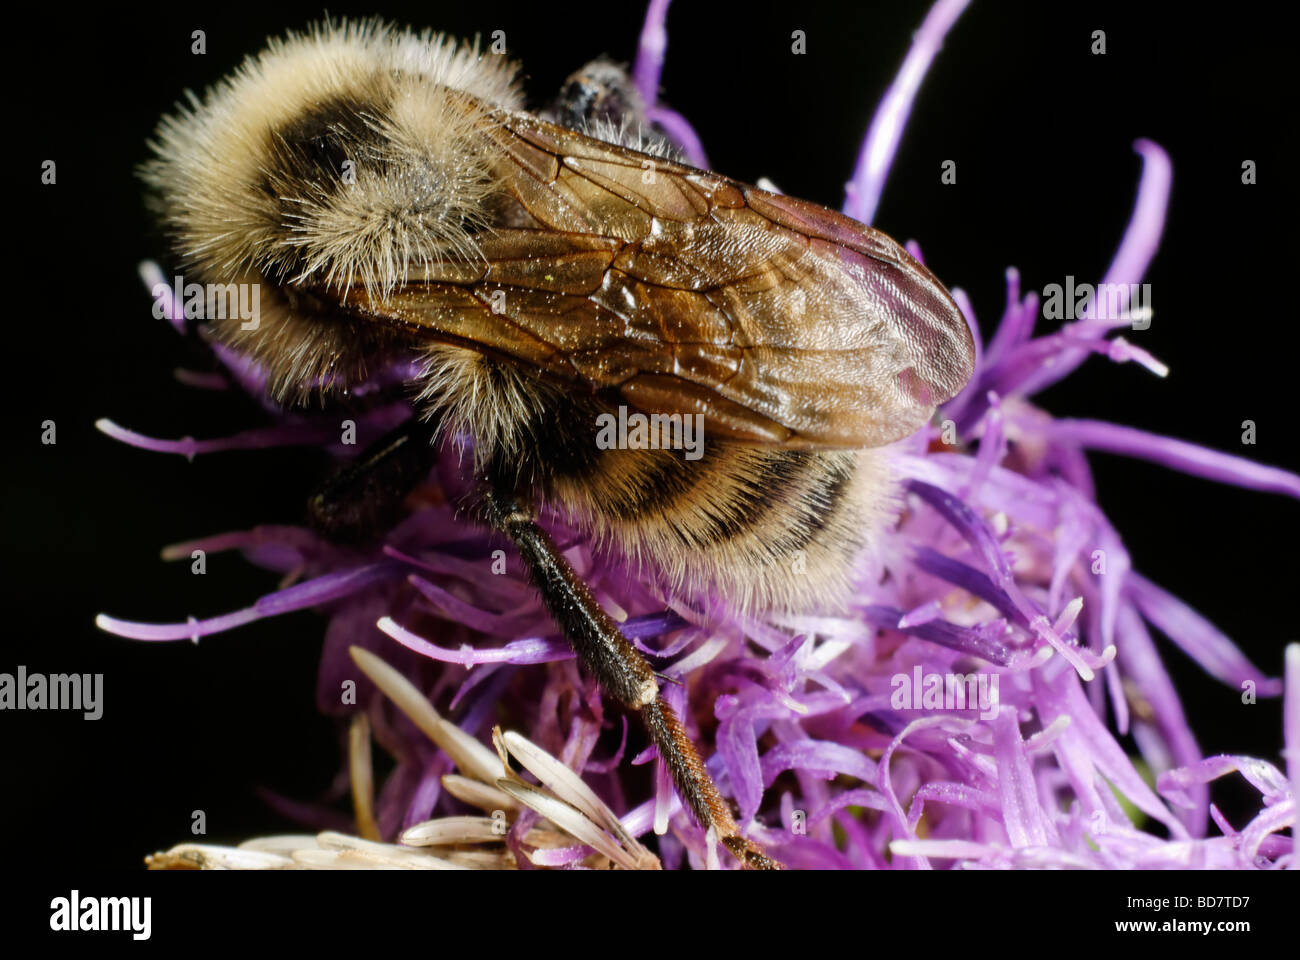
column 766, row 527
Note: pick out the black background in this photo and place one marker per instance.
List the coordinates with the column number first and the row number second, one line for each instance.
column 1041, row 131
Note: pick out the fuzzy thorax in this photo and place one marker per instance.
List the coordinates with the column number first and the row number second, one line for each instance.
column 339, row 158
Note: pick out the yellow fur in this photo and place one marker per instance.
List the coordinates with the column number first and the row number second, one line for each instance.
column 210, row 157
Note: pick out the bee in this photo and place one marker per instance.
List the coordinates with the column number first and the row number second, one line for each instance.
column 390, row 198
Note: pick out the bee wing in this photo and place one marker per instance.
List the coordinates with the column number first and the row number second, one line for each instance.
column 779, row 320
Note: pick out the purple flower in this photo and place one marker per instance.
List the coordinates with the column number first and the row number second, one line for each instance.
column 954, row 717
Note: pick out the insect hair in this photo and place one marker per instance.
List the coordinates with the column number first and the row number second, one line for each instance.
column 631, row 133
column 419, row 182
column 341, row 156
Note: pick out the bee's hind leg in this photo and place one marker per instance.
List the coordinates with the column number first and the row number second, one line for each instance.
column 621, row 670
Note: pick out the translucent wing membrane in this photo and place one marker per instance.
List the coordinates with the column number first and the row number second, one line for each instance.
column 685, row 292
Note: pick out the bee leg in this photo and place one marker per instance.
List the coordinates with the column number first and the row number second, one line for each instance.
column 363, row 498
column 621, row 670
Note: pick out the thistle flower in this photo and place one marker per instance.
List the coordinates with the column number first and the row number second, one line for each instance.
column 955, row 716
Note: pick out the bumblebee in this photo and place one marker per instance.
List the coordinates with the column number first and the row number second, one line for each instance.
column 391, row 199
